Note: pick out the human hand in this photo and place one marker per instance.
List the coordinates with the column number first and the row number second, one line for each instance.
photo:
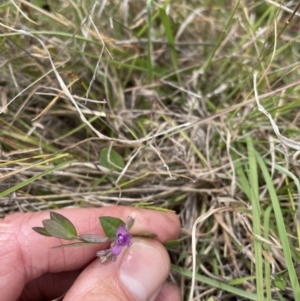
column 31, row 270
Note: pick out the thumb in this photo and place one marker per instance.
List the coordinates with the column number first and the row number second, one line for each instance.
column 137, row 275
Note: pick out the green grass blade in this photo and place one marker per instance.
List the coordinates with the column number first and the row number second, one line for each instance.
column 281, row 229
column 296, row 181
column 267, row 213
column 216, row 284
column 256, row 212
column 149, row 44
column 222, row 36
column 169, row 36
column 32, row 179
column 243, row 181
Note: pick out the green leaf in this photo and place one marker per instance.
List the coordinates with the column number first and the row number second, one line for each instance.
column 111, row 160
column 39, row 3
column 146, row 234
column 55, row 229
column 110, row 225
column 75, row 244
column 69, row 227
column 280, row 283
column 172, row 244
column 41, row 230
column 94, row 238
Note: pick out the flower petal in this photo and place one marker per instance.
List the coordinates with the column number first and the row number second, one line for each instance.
column 116, row 249
column 121, row 230
column 128, row 242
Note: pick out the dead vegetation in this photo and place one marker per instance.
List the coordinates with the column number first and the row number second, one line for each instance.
column 152, row 105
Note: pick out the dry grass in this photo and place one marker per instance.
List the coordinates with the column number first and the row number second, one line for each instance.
column 168, row 87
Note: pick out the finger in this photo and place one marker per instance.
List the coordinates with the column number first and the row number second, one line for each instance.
column 138, row 274
column 27, row 255
column 169, row 292
column 53, row 286
column 49, row 286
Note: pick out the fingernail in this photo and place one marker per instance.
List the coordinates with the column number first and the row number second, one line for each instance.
column 144, row 268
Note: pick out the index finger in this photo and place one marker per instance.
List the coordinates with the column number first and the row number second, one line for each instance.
column 26, row 255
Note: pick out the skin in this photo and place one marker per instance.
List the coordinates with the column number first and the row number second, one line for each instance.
column 32, row 270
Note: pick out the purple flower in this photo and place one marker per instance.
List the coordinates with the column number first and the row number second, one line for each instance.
column 122, row 239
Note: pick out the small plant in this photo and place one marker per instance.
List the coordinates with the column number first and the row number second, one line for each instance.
column 115, row 229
